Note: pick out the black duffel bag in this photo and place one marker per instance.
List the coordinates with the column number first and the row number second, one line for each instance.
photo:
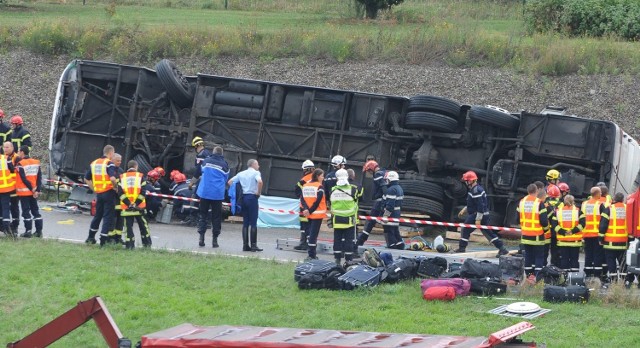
column 432, row 267
column 487, row 287
column 551, row 275
column 572, row 293
column 473, row 269
column 318, row 274
column 402, row 269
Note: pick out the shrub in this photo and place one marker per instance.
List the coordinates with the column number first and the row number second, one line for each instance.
column 542, row 16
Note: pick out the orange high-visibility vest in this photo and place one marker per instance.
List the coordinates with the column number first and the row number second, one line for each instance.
column 131, row 183
column 99, row 176
column 31, row 168
column 568, row 218
column 7, row 178
column 310, row 194
column 306, row 179
column 530, row 226
column 591, row 210
column 617, row 235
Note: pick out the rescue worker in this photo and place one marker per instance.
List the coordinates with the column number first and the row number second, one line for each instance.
column 101, row 178
column 164, row 188
column 202, row 153
column 614, row 238
column 379, row 189
column 593, row 251
column 154, row 203
column 251, row 182
column 133, row 205
column 568, row 223
column 314, row 208
column 533, row 219
column 344, row 213
column 181, row 208
column 352, row 181
column 553, row 177
column 214, row 174
column 337, row 162
column 552, row 202
column 564, row 190
column 605, row 197
column 5, row 129
column 7, row 148
column 19, row 135
column 115, row 236
column 307, row 170
column 477, row 209
column 7, row 187
column 28, row 184
column 392, row 204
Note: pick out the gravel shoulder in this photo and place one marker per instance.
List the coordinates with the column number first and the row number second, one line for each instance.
column 28, row 84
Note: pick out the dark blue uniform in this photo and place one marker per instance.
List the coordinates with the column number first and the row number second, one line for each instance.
column 392, row 204
column 20, row 136
column 214, row 173
column 478, row 209
column 379, row 189
column 153, row 202
column 105, row 208
column 181, row 208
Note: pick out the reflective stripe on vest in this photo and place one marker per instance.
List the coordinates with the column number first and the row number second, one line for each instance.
column 568, row 218
column 7, row 178
column 306, row 179
column 31, row 168
column 617, row 236
column 591, row 210
column 532, row 233
column 131, row 183
column 99, row 176
column 310, row 194
column 344, row 206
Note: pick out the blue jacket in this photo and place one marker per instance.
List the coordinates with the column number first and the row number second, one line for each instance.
column 215, row 173
column 477, row 202
column 379, row 184
column 393, row 199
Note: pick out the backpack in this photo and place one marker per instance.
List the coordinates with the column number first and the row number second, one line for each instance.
column 512, row 267
column 432, row 267
column 473, row 269
column 487, row 286
column 372, row 258
column 401, row 269
column 551, row 275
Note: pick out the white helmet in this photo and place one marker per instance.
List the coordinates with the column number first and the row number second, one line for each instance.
column 392, row 176
column 342, row 176
column 338, row 160
column 308, row 164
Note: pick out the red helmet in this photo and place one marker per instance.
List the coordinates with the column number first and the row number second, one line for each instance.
column 17, row 119
column 564, row 187
column 178, row 178
column 173, row 174
column 370, row 166
column 153, row 174
column 469, row 176
column 553, row 191
column 1, row 113
column 160, row 170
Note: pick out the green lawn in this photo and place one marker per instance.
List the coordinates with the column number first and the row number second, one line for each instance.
column 149, row 290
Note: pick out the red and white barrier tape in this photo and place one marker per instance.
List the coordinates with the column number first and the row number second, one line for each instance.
column 292, row 212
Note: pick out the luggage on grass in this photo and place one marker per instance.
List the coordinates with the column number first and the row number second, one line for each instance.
column 401, row 269
column 571, row 293
column 461, row 286
column 552, row 275
column 512, row 268
column 361, row 276
column 432, row 267
column 318, row 274
column 480, row 269
column 439, row 293
column 487, row 286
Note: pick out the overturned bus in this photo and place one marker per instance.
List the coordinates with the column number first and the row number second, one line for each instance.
column 152, row 115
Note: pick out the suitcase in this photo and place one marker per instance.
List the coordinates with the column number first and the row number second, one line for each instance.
column 313, row 266
column 487, row 287
column 451, row 275
column 455, row 266
column 439, row 293
column 575, row 278
column 572, row 293
column 165, row 213
column 461, row 286
column 401, row 269
column 512, row 267
column 552, row 275
column 480, row 269
column 361, row 276
column 432, row 267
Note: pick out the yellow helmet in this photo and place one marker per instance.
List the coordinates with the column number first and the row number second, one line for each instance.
column 553, row 175
column 197, row 141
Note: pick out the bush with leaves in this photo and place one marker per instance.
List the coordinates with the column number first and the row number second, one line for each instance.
column 372, row 7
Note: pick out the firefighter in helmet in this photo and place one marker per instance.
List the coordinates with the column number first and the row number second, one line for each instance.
column 307, row 170
column 133, row 204
column 344, row 213
column 19, row 135
column 478, row 213
column 154, row 203
column 379, row 189
column 5, row 129
column 202, row 153
column 552, row 202
column 614, row 237
column 391, row 205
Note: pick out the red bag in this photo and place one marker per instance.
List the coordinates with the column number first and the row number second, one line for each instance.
column 441, row 293
column 461, row 286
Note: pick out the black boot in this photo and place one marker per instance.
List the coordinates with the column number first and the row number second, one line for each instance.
column 38, row 234
column 130, row 244
column 201, row 240
column 245, row 239
column 92, row 238
column 254, row 239
column 26, row 234
column 303, row 242
column 146, row 242
column 214, row 241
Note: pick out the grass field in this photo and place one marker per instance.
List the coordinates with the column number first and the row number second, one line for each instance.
column 458, row 33
column 150, row 290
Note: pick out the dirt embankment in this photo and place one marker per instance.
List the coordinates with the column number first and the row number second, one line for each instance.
column 28, row 84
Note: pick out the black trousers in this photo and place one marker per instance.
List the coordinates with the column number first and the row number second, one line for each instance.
column 250, row 210
column 569, row 258
column 312, row 236
column 15, row 211
column 216, row 216
column 142, row 225
column 5, row 203
column 533, row 258
column 31, row 213
column 105, row 213
column 593, row 257
column 491, row 235
column 343, row 242
column 616, row 264
column 376, row 211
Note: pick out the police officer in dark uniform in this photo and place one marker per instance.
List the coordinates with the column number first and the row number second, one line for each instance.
column 379, row 189
column 478, row 213
column 101, row 177
column 214, row 174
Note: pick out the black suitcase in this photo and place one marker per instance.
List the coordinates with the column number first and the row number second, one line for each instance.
column 473, row 269
column 512, row 267
column 432, row 267
column 571, row 293
column 575, row 278
column 401, row 269
column 321, row 267
column 359, row 276
column 455, row 266
column 487, row 287
column 450, row 275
